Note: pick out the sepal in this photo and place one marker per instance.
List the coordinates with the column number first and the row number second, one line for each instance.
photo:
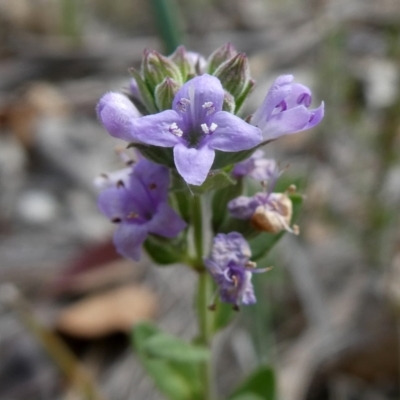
column 215, row 180
column 164, row 251
column 145, row 93
column 165, row 92
column 159, row 155
column 234, row 74
column 156, row 67
column 219, row 56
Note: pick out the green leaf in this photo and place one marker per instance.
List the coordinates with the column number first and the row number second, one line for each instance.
column 220, row 202
column 173, row 349
column 260, row 383
column 164, row 251
column 215, row 180
column 176, row 380
column 223, row 159
column 159, row 155
column 224, row 314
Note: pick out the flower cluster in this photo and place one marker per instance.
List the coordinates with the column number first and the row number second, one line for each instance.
column 192, row 142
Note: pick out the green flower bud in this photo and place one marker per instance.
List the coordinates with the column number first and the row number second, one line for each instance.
column 164, row 93
column 156, row 67
column 219, row 56
column 229, row 103
column 145, row 94
column 181, row 61
column 234, row 74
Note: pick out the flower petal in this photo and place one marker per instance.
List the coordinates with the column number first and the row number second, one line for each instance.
column 278, row 91
column 166, row 222
column 128, row 239
column 154, row 178
column 193, row 164
column 117, row 112
column 316, row 116
column 114, row 202
column 200, row 91
column 232, row 133
column 155, row 129
column 286, row 122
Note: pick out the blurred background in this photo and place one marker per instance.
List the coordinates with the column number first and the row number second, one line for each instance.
column 328, row 314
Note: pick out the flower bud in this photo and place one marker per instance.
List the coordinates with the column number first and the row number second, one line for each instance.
column 219, row 56
column 275, row 216
column 229, row 102
column 164, row 93
column 234, row 74
column 156, row 67
column 189, row 63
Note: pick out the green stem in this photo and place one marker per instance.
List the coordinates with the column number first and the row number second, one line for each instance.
column 204, row 294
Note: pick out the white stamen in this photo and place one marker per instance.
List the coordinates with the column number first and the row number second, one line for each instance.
column 182, row 104
column 209, row 106
column 205, row 129
column 213, row 127
column 209, row 129
column 174, row 129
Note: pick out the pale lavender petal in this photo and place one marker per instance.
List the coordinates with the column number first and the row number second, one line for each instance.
column 193, row 164
column 231, row 247
column 114, row 202
column 299, row 94
column 134, row 89
column 199, row 98
column 154, row 177
column 232, row 133
column 166, row 222
column 286, row 122
column 316, row 116
column 128, row 239
column 280, row 89
column 242, row 207
column 157, row 129
column 117, row 112
column 248, row 296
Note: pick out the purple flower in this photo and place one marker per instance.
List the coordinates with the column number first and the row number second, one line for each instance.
column 257, row 167
column 117, row 112
column 195, row 127
column 230, row 266
column 139, row 205
column 285, row 109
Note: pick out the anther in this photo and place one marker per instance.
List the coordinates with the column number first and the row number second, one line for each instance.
column 250, row 264
column 236, row 307
column 205, row 129
column 182, row 104
column 209, row 107
column 132, row 215
column 116, row 220
column 174, row 129
column 292, row 189
column 120, row 184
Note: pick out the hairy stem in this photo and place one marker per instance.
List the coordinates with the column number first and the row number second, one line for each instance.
column 204, row 294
